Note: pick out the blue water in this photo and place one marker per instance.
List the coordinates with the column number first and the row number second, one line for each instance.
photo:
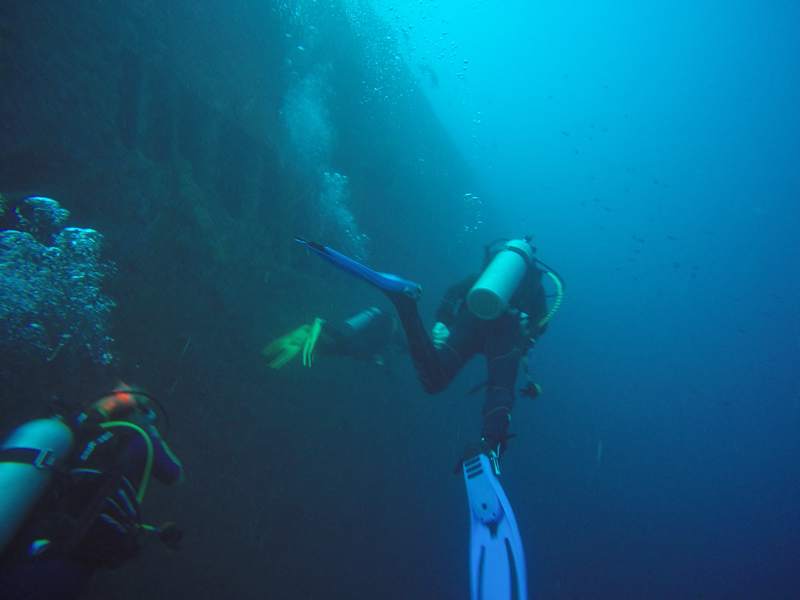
column 653, row 152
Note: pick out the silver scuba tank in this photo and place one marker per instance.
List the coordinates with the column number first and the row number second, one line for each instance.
column 27, row 459
column 489, row 297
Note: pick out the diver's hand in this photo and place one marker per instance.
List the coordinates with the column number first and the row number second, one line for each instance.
column 282, row 350
column 526, row 326
column 302, row 340
column 310, row 343
column 439, row 335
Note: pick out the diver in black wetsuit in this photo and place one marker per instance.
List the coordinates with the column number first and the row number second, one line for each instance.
column 459, row 334
column 371, row 335
column 499, row 313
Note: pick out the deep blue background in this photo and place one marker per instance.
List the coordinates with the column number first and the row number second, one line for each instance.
column 653, row 150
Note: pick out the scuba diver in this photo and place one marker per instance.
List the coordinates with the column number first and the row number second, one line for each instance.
column 371, row 335
column 500, row 313
column 73, row 485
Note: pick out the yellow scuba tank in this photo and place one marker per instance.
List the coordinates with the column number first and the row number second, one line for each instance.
column 27, row 459
column 489, row 297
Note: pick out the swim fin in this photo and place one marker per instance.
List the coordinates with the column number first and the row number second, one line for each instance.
column 386, row 282
column 496, row 557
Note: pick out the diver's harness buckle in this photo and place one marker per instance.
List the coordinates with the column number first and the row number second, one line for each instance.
column 41, row 458
column 46, row 459
column 494, row 461
column 491, row 452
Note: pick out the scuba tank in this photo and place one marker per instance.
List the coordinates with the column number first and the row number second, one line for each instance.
column 27, row 460
column 489, row 297
column 361, row 319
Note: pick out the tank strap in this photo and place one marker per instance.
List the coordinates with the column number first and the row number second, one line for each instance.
column 528, row 262
column 41, row 458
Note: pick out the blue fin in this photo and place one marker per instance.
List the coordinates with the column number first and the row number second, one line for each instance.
column 386, row 282
column 496, row 556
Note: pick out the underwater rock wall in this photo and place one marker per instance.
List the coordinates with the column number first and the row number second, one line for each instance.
column 53, row 314
column 200, row 138
column 215, row 129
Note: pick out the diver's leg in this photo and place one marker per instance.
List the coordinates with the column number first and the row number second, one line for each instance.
column 435, row 368
column 504, row 346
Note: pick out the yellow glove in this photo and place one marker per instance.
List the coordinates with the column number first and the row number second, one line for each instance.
column 282, row 350
column 311, row 341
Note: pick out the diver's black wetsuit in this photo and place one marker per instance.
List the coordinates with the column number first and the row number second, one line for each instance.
column 106, row 468
column 503, row 341
column 369, row 335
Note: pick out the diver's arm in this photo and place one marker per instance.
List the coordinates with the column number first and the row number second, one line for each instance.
column 167, row 467
column 533, row 302
column 539, row 308
column 453, row 300
column 448, row 310
column 364, row 335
